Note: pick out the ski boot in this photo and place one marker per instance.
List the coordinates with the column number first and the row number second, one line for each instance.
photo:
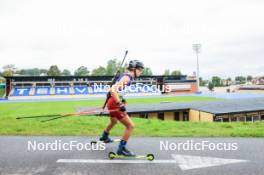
column 122, row 150
column 105, row 138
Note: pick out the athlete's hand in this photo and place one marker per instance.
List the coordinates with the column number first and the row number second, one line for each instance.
column 124, row 101
column 122, row 107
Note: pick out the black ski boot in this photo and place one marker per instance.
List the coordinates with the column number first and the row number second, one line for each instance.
column 122, row 150
column 105, row 138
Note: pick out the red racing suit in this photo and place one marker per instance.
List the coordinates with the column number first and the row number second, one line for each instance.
column 113, row 106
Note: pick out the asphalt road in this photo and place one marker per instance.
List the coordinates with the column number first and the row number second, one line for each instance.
column 18, row 157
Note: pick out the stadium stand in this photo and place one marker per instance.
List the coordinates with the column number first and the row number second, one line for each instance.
column 87, row 85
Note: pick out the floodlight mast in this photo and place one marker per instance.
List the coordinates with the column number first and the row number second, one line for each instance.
column 197, row 50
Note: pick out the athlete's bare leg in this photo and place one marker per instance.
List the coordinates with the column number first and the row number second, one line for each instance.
column 112, row 123
column 129, row 127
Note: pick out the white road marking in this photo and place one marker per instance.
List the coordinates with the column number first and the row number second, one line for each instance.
column 112, row 161
column 185, row 162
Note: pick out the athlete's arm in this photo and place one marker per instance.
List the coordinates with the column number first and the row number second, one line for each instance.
column 119, row 86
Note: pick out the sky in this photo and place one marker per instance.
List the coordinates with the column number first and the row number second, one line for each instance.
column 73, row 33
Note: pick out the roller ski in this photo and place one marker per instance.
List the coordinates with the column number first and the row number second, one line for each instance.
column 123, row 153
column 113, row 155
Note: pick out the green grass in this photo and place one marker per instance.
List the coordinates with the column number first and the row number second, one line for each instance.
column 91, row 125
column 2, row 92
column 44, row 108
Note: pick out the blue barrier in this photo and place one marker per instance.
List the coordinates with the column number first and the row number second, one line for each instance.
column 81, row 90
column 99, row 89
column 78, row 90
column 21, row 92
column 42, row 91
column 62, row 90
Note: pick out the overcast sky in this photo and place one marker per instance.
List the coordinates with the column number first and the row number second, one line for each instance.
column 73, row 33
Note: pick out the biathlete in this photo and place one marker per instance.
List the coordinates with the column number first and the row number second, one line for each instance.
column 116, row 105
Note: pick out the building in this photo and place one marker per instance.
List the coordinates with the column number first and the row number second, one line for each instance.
column 245, row 110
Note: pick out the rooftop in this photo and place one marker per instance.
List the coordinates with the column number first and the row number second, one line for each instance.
column 218, row 107
column 215, row 107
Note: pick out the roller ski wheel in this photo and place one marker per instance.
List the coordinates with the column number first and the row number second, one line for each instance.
column 112, row 155
column 150, row 157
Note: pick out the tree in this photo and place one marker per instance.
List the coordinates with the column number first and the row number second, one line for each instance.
column 1, row 77
column 211, row 86
column 147, row 71
column 35, row 72
column 43, row 72
column 82, row 71
column 9, row 70
column 240, row 79
column 228, row 81
column 123, row 68
column 176, row 73
column 99, row 71
column 111, row 67
column 2, row 80
column 249, row 78
column 66, row 72
column 54, row 71
column 166, row 72
column 217, row 81
column 202, row 82
column 29, row 72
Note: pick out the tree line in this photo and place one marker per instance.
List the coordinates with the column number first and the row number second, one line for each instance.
column 110, row 69
column 54, row 70
column 216, row 81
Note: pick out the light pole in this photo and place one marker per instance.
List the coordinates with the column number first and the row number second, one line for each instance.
column 197, row 50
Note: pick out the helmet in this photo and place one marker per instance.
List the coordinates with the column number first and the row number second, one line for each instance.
column 135, row 64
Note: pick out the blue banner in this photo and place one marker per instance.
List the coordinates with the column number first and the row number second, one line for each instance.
column 21, row 92
column 62, row 90
column 42, row 91
column 80, row 90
